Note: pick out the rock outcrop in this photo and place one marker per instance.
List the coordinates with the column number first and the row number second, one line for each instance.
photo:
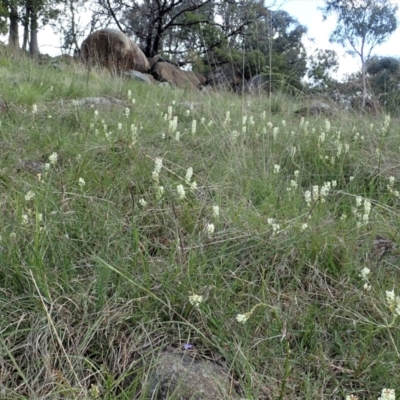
column 167, row 72
column 113, row 50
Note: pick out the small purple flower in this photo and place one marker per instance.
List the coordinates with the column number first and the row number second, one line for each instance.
column 187, row 346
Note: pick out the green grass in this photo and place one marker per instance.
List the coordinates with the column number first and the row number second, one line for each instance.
column 95, row 279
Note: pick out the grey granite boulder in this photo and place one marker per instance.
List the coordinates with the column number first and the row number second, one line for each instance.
column 178, row 376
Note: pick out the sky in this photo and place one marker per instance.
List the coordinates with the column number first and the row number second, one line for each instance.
column 308, row 14
column 305, row 11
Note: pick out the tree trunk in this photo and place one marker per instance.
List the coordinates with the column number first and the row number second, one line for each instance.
column 25, row 23
column 33, row 44
column 364, row 82
column 13, row 36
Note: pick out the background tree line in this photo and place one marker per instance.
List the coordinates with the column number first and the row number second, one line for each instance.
column 202, row 34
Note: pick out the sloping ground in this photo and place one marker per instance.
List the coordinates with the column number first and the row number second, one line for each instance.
column 261, row 244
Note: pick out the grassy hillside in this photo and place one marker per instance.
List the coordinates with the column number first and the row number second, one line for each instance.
column 266, row 240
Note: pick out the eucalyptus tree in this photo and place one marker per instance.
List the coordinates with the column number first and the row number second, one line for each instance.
column 361, row 26
column 278, row 37
column 9, row 18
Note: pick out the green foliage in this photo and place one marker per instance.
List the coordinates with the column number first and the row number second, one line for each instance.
column 322, row 64
column 3, row 20
column 362, row 25
column 369, row 22
column 383, row 78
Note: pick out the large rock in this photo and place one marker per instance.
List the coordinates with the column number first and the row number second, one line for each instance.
column 113, row 50
column 225, row 76
column 139, row 76
column 167, row 72
column 178, row 376
column 316, row 108
column 202, row 79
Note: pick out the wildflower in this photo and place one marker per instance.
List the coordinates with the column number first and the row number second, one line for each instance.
column 277, row 168
column 275, row 228
column 393, row 302
column 181, row 191
column 25, row 219
column 339, row 149
column 367, row 210
column 169, row 115
column 242, row 318
column 194, row 124
column 321, row 138
column 189, row 174
column 96, row 113
column 133, row 101
column 158, row 164
column 283, row 123
column 202, row 120
column 358, row 201
column 315, row 192
column 187, row 113
column 129, row 94
column 293, row 151
column 227, row 118
column 367, row 287
column 193, row 185
column 210, row 229
column 244, row 122
column 275, row 132
column 143, row 202
column 34, row 109
column 173, row 124
column 215, row 211
column 119, row 126
column 307, row 197
column 365, row 272
column 30, row 195
column 177, row 136
column 81, row 182
column 127, row 112
column 351, row 397
column 46, row 166
column 327, row 125
column 234, row 135
column 325, row 188
column 195, row 299
column 264, row 115
column 159, row 192
column 386, row 124
column 94, row 392
column 270, row 125
column 304, row 227
column 296, row 173
column 391, row 181
column 387, row 394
